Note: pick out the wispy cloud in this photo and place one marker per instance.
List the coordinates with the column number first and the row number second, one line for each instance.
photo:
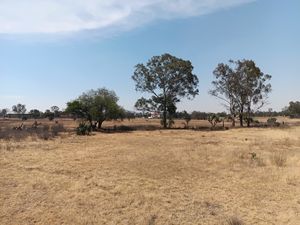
column 11, row 97
column 69, row 16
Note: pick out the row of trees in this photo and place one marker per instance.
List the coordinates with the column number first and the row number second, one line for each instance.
column 20, row 110
column 165, row 80
column 241, row 85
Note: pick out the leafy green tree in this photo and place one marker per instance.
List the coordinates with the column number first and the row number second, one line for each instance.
column 96, row 105
column 144, row 105
column 35, row 113
column 167, row 79
column 294, row 108
column 241, row 85
column 214, row 119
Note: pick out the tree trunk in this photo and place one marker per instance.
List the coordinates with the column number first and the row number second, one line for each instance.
column 100, row 124
column 248, row 119
column 91, row 122
column 248, row 115
column 241, row 116
column 241, row 120
column 165, row 117
column 165, row 110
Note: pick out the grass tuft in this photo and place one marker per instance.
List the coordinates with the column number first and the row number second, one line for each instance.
column 234, row 221
column 279, row 158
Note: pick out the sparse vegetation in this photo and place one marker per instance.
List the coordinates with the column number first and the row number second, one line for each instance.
column 273, row 122
column 22, row 131
column 148, row 177
column 279, row 158
column 100, row 159
column 234, row 221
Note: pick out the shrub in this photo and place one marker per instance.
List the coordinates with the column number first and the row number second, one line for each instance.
column 124, row 128
column 43, row 132
column 38, row 131
column 214, row 119
column 273, row 122
column 51, row 117
column 257, row 161
column 83, row 129
column 57, row 128
column 249, row 120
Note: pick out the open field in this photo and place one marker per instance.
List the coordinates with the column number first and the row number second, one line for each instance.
column 139, row 124
column 158, row 177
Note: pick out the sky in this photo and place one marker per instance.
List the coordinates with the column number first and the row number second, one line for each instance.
column 52, row 51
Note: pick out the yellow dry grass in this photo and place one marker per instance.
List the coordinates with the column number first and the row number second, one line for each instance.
column 177, row 177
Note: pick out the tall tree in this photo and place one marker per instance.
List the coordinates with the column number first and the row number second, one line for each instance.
column 96, row 105
column 255, row 86
column 167, row 79
column 55, row 110
column 19, row 109
column 294, row 108
column 226, row 87
column 242, row 86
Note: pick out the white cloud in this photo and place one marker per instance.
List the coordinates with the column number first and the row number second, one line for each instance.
column 67, row 16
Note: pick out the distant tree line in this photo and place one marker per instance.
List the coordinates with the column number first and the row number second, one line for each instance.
column 293, row 110
column 19, row 111
column 165, row 80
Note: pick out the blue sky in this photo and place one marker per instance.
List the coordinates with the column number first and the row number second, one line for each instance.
column 51, row 53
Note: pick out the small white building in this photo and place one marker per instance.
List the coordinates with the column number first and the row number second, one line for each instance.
column 154, row 115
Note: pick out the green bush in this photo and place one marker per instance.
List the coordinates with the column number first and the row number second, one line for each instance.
column 214, row 119
column 83, row 129
column 272, row 120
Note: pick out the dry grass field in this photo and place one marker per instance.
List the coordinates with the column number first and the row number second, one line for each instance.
column 159, row 177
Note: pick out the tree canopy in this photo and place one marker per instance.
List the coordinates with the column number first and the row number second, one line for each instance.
column 35, row 113
column 167, row 79
column 242, row 86
column 19, row 108
column 294, row 108
column 96, row 105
